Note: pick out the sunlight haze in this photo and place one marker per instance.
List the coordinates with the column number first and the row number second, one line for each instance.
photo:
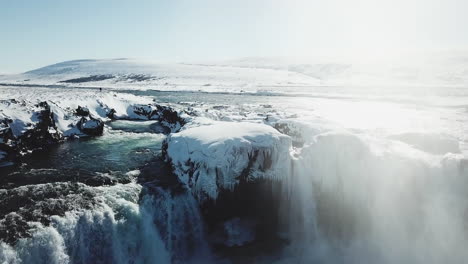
column 37, row 33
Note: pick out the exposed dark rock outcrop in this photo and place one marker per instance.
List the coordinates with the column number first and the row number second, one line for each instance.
column 19, row 176
column 138, row 77
column 255, row 202
column 91, row 126
column 111, row 113
column 82, row 111
column 88, row 124
column 43, row 133
column 36, row 203
column 6, row 137
column 166, row 115
column 92, row 78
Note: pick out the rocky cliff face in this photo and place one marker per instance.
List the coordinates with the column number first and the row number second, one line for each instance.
column 237, row 193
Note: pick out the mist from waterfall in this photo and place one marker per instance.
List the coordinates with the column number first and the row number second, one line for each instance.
column 354, row 199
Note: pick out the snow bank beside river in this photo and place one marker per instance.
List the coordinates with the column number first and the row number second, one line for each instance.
column 33, row 118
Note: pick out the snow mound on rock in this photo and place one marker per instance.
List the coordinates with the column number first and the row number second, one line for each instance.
column 216, row 157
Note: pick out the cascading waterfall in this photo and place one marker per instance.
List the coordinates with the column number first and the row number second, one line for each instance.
column 129, row 225
column 117, row 230
column 371, row 201
column 179, row 223
column 298, row 209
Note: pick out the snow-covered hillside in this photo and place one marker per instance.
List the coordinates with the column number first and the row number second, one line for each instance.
column 276, row 75
column 412, row 69
column 128, row 74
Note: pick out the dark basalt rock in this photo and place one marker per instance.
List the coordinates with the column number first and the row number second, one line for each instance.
column 164, row 114
column 92, row 78
column 253, row 201
column 12, row 227
column 42, row 134
column 36, row 203
column 19, row 176
column 34, row 195
column 145, row 111
column 139, row 77
column 88, row 124
column 91, row 126
column 158, row 173
column 111, row 113
column 37, row 136
column 82, row 111
column 6, row 137
column 167, row 114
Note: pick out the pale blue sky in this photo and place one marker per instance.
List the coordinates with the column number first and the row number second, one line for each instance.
column 36, row 33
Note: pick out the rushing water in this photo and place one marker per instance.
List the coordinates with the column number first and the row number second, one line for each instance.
column 121, row 220
column 371, row 181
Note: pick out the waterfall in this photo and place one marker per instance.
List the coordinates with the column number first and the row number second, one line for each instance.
column 179, row 222
column 129, row 225
column 356, row 199
column 298, row 208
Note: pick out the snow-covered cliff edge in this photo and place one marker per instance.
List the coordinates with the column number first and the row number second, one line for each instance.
column 219, row 156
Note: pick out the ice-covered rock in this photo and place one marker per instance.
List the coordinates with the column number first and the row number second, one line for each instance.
column 91, row 126
column 167, row 116
column 217, row 157
column 82, row 111
column 24, row 128
column 302, row 131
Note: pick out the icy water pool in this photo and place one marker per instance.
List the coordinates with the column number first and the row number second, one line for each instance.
column 125, row 146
